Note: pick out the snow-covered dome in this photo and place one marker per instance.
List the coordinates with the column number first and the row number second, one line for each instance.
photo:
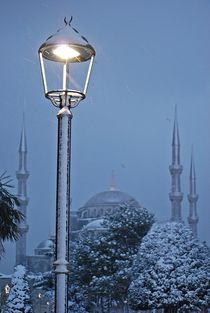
column 46, row 244
column 103, row 203
column 110, row 197
column 44, row 247
column 95, row 225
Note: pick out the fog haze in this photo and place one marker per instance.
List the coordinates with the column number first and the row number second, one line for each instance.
column 150, row 55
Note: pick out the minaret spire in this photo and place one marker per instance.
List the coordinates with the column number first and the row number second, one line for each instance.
column 23, row 144
column 22, row 175
column 193, row 198
column 23, row 149
column 175, row 141
column 176, row 196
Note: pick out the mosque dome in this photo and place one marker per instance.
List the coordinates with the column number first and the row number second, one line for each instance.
column 95, row 225
column 44, row 247
column 103, row 203
column 110, row 197
column 46, row 244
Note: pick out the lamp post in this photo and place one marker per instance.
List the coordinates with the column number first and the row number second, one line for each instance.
column 60, row 55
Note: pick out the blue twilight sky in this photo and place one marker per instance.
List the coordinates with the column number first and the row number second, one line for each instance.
column 151, row 55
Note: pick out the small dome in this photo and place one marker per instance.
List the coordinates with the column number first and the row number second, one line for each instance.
column 95, row 225
column 46, row 244
column 110, row 197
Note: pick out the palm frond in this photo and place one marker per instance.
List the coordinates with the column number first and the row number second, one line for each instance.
column 10, row 217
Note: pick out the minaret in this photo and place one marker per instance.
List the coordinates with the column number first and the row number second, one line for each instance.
column 22, row 175
column 175, row 168
column 193, row 198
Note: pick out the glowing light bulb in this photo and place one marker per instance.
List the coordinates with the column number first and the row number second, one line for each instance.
column 65, row 52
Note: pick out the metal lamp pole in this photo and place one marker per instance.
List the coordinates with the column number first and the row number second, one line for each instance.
column 67, row 48
column 62, row 207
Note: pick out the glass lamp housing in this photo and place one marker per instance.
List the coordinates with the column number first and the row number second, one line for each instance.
column 66, row 60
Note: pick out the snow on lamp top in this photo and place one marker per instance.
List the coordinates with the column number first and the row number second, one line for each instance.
column 67, row 46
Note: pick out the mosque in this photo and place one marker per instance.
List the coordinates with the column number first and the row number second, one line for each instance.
column 90, row 216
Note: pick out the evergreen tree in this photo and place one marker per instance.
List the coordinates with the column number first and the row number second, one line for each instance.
column 44, row 281
column 77, row 301
column 171, row 271
column 102, row 265
column 19, row 296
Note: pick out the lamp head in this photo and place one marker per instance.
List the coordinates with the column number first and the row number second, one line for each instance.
column 67, row 46
column 63, row 53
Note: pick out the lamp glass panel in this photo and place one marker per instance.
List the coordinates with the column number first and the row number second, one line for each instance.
column 76, row 75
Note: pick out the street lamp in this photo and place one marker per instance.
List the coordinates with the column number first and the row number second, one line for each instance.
column 60, row 56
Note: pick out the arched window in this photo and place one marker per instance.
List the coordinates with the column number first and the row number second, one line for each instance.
column 85, row 214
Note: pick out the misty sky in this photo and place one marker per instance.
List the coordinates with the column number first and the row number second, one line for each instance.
column 151, row 55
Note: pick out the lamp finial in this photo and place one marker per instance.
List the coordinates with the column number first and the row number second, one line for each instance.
column 68, row 22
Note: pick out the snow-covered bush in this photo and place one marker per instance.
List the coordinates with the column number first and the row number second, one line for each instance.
column 19, row 297
column 171, row 270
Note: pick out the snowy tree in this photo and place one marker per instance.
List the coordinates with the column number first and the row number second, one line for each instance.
column 44, row 284
column 171, row 271
column 102, row 265
column 19, row 299
column 44, row 281
column 77, row 302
